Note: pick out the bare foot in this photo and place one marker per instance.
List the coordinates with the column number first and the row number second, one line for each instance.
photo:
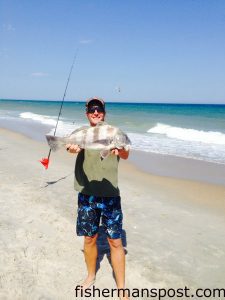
column 123, row 297
column 88, row 282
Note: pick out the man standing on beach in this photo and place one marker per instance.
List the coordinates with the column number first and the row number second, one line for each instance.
column 99, row 197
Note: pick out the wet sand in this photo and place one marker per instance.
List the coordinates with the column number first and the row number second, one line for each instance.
column 179, row 167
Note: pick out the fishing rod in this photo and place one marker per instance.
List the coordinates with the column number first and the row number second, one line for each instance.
column 45, row 161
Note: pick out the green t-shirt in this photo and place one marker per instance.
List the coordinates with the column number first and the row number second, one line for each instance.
column 96, row 177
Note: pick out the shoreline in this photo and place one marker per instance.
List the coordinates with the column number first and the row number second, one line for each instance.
column 179, row 167
column 151, row 163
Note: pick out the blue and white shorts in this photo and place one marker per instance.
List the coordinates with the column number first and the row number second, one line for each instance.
column 92, row 209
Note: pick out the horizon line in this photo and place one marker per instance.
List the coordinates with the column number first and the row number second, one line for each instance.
column 111, row 102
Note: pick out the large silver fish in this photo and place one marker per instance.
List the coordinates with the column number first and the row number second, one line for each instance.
column 102, row 137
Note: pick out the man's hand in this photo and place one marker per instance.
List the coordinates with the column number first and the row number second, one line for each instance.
column 122, row 153
column 71, row 148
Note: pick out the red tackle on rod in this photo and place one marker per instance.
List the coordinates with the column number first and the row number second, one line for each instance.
column 45, row 161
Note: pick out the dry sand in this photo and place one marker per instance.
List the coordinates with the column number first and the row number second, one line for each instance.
column 173, row 229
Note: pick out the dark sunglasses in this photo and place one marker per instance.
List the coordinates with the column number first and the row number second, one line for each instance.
column 92, row 109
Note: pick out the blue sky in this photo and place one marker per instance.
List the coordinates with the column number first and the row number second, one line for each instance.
column 155, row 51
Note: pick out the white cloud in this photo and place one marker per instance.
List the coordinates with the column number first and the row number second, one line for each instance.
column 39, row 74
column 8, row 27
column 85, row 41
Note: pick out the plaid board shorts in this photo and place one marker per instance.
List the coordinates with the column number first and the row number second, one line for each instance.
column 92, row 209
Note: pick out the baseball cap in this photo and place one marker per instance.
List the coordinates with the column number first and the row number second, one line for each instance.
column 95, row 100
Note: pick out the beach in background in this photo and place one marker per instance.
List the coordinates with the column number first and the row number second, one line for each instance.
column 173, row 202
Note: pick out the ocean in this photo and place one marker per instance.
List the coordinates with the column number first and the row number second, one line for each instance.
column 194, row 131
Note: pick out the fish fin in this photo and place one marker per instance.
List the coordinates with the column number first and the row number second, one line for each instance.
column 104, row 153
column 79, row 129
column 127, row 147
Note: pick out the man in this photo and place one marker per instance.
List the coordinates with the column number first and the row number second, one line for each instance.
column 96, row 182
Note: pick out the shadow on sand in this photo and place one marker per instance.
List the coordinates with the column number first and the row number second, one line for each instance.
column 54, row 182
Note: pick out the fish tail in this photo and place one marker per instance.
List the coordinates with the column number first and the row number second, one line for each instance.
column 55, row 142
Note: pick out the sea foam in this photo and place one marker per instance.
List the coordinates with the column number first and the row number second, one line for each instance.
column 63, row 127
column 186, row 134
column 48, row 120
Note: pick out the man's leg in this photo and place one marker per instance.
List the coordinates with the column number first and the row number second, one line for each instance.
column 90, row 254
column 87, row 225
column 118, row 262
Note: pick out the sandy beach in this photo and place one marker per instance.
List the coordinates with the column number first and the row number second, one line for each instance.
column 173, row 228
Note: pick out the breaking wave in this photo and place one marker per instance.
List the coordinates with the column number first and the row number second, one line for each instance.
column 63, row 128
column 48, row 120
column 192, row 135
